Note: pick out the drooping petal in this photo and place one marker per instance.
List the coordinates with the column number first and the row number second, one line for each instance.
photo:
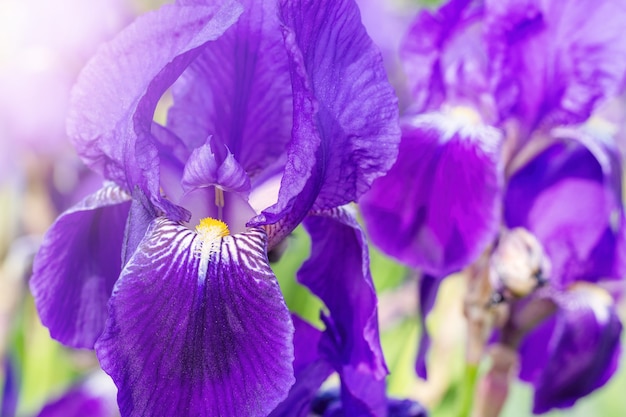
column 238, row 91
column 345, row 131
column 77, row 266
column 311, row 370
column 582, row 350
column 198, row 327
column 112, row 105
column 438, row 206
column 560, row 59
column 338, row 273
column 362, row 394
column 569, row 201
column 318, row 354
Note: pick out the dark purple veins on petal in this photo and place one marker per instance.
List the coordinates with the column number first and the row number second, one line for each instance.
column 238, row 91
column 198, row 333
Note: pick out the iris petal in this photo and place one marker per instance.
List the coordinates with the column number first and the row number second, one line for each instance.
column 110, row 126
column 205, row 168
column 338, row 273
column 311, row 370
column 560, row 59
column 438, row 206
column 77, row 266
column 444, row 56
column 572, row 208
column 428, row 288
column 238, row 91
column 196, row 329
column 345, row 131
column 581, row 350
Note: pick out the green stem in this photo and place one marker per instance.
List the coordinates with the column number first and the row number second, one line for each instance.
column 467, row 389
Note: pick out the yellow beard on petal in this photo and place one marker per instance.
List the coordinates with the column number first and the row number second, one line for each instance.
column 210, row 231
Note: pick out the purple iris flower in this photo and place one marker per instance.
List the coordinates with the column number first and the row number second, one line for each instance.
column 266, row 96
column 484, row 145
column 569, row 197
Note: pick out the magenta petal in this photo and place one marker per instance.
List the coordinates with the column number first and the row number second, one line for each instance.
column 77, row 266
column 338, row 273
column 345, row 130
column 113, row 102
column 438, row 206
column 198, row 328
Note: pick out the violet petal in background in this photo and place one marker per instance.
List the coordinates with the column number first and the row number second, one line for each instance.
column 580, row 353
column 77, row 266
column 438, row 206
column 567, row 199
column 91, row 397
column 561, row 58
column 428, row 288
column 197, row 330
column 445, row 58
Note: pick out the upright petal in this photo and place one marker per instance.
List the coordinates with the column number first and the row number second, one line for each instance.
column 345, row 131
column 77, row 266
column 444, row 57
column 112, row 105
column 238, row 91
column 338, row 273
column 198, row 327
column 438, row 206
column 559, row 58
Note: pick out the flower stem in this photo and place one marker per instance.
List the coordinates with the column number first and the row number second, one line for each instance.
column 467, row 389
